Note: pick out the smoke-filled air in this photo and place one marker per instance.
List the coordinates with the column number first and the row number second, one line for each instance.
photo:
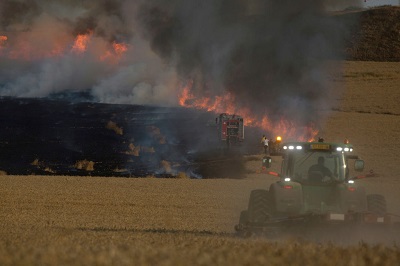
column 265, row 60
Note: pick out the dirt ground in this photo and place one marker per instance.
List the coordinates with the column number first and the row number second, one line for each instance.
column 52, row 220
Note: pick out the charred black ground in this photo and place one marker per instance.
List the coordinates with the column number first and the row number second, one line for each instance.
column 41, row 136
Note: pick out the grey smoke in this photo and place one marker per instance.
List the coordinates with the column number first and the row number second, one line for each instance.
column 269, row 54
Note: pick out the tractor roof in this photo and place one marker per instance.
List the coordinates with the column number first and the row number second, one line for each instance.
column 318, row 146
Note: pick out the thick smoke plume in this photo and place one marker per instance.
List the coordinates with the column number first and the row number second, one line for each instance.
column 269, row 55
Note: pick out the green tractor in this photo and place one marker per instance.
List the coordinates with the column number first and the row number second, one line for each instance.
column 315, row 187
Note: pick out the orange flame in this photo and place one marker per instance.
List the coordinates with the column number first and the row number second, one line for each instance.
column 227, row 104
column 81, row 42
column 31, row 46
column 220, row 104
column 3, row 39
column 118, row 50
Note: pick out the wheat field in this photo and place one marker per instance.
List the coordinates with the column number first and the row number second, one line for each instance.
column 66, row 220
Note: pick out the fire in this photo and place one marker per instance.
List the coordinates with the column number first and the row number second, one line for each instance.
column 227, row 104
column 103, row 51
column 3, row 39
column 120, row 48
column 31, row 46
column 81, row 42
column 220, row 104
column 116, row 53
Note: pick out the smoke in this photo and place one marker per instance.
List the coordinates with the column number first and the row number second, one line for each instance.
column 270, row 55
column 40, row 56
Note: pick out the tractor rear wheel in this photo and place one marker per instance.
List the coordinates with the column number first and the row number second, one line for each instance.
column 260, row 207
column 244, row 218
column 376, row 204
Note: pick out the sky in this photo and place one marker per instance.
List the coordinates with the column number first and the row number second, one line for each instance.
column 372, row 3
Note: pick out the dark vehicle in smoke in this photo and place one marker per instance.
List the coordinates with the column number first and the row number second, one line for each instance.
column 315, row 188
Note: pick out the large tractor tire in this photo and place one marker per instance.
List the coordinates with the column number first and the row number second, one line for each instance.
column 260, row 207
column 353, row 201
column 376, row 204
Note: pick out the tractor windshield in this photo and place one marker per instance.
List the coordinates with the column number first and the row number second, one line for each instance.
column 316, row 165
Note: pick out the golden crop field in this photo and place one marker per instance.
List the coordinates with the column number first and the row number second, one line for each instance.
column 65, row 220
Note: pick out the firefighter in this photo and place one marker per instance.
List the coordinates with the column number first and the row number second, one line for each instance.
column 264, row 142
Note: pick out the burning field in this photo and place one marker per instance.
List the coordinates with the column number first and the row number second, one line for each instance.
column 56, row 137
column 97, row 220
column 92, row 91
column 148, row 59
column 151, row 53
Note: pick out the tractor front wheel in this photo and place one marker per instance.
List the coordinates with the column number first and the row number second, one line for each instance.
column 260, row 207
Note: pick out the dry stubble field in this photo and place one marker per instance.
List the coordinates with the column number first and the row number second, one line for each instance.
column 53, row 220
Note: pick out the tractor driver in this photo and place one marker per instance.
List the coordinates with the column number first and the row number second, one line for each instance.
column 320, row 168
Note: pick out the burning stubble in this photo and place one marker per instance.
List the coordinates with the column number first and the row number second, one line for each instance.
column 262, row 58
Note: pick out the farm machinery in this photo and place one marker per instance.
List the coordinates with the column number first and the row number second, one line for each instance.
column 230, row 129
column 314, row 188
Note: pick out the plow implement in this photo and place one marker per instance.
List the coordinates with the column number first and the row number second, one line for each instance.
column 337, row 227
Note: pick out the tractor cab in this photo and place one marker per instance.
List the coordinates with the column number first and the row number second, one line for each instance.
column 317, row 162
column 320, row 172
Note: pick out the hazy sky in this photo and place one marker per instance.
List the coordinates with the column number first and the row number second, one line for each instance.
column 370, row 3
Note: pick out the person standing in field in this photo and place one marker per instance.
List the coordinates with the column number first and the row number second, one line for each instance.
column 264, row 142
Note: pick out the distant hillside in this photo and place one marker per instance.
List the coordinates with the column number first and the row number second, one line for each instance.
column 377, row 35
